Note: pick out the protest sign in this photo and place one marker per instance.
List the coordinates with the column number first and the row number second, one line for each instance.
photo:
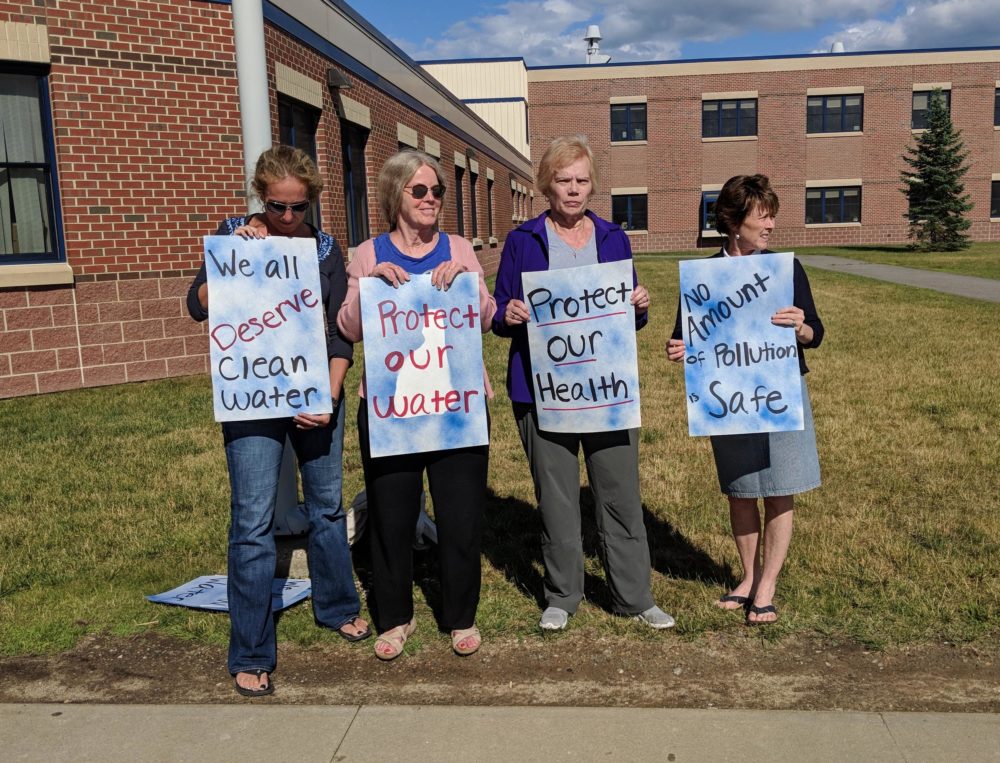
column 423, row 365
column 581, row 334
column 211, row 592
column 266, row 334
column 740, row 370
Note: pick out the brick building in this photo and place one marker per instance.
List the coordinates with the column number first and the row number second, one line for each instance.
column 122, row 147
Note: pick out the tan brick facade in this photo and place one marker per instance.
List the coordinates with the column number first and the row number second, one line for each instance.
column 149, row 158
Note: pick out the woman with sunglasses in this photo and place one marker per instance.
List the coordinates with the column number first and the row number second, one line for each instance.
column 410, row 193
column 288, row 183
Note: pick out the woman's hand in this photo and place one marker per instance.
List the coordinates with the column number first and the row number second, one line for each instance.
column 391, row 273
column 675, row 350
column 640, row 299
column 516, row 313
column 311, row 420
column 253, row 228
column 445, row 273
column 794, row 318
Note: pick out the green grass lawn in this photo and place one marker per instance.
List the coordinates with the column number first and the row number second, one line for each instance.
column 981, row 259
column 110, row 494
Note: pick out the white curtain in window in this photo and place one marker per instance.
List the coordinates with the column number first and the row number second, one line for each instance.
column 22, row 191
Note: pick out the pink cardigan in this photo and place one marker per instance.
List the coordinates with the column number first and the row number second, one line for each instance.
column 363, row 263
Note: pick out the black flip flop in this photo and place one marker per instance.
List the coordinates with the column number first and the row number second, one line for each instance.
column 269, row 689
column 357, row 637
column 762, row 611
column 736, row 598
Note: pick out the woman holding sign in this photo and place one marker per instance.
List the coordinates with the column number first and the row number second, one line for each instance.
column 570, row 236
column 287, row 182
column 410, row 192
column 769, row 465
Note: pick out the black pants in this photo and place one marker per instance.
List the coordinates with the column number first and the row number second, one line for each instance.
column 458, row 490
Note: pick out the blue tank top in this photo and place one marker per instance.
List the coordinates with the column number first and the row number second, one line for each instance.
column 386, row 251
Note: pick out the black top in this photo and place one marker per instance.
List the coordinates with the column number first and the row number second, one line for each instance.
column 332, row 279
column 802, row 298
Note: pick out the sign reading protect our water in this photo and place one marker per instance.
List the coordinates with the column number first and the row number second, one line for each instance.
column 581, row 334
column 423, row 365
column 266, row 334
column 740, row 370
column 211, row 592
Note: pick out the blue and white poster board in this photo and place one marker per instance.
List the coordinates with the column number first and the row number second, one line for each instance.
column 211, row 592
column 423, row 365
column 581, row 334
column 740, row 370
column 268, row 344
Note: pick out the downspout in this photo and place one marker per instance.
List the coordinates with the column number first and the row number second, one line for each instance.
column 251, row 76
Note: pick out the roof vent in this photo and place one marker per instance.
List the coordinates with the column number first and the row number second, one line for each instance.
column 837, row 47
column 593, row 37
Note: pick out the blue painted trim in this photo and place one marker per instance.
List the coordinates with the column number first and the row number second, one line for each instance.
column 494, row 100
column 500, row 59
column 216, row 2
column 324, row 47
column 762, row 58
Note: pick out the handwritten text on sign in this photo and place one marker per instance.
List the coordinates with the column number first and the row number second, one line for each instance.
column 266, row 335
column 423, row 365
column 741, row 371
column 581, row 334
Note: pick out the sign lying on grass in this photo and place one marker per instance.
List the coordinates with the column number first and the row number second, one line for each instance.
column 423, row 365
column 740, row 370
column 583, row 353
column 268, row 344
column 210, row 592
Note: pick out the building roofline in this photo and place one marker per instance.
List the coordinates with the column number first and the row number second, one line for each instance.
column 499, row 59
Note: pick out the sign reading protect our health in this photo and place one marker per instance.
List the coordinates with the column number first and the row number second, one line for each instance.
column 266, row 333
column 740, row 370
column 581, row 334
column 423, row 365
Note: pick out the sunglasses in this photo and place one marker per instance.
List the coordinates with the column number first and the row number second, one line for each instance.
column 420, row 190
column 278, row 208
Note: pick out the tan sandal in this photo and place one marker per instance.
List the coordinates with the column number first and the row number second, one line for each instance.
column 466, row 641
column 392, row 641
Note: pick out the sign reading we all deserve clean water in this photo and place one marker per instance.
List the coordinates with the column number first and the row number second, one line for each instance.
column 423, row 365
column 266, row 333
column 581, row 334
column 741, row 371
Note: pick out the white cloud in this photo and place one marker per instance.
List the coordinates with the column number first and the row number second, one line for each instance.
column 927, row 24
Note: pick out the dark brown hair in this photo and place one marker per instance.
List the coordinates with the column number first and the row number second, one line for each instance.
column 740, row 196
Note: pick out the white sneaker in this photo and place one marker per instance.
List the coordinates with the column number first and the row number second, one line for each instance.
column 655, row 617
column 554, row 619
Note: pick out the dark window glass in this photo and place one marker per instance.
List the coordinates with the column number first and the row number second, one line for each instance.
column 728, row 119
column 628, row 121
column 29, row 209
column 708, row 199
column 489, row 207
column 297, row 125
column 995, row 199
column 630, row 211
column 352, row 143
column 834, row 113
column 921, row 104
column 996, row 108
column 459, row 201
column 833, row 205
column 474, row 213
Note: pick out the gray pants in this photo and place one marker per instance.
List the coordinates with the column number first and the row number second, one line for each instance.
column 612, row 460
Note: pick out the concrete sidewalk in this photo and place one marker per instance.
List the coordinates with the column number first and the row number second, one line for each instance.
column 304, row 733
column 964, row 286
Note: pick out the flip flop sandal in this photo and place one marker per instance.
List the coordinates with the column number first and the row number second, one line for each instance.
column 743, row 601
column 357, row 636
column 767, row 609
column 466, row 641
column 269, row 689
column 393, row 641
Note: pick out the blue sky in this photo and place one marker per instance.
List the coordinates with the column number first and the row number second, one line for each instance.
column 546, row 32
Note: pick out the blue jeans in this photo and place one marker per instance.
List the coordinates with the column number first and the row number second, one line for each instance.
column 253, row 452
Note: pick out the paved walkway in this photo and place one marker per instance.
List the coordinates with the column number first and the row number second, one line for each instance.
column 254, row 731
column 964, row 286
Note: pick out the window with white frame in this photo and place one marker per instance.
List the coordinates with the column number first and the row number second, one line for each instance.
column 833, row 205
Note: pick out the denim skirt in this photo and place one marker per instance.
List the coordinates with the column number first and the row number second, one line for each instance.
column 769, row 463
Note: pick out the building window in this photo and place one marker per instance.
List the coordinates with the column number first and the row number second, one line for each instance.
column 473, row 211
column 29, row 204
column 729, row 119
column 297, row 125
column 833, row 205
column 921, row 105
column 629, row 211
column 708, row 199
column 352, row 141
column 489, row 207
column 995, row 199
column 459, row 201
column 996, row 108
column 834, row 113
column 628, row 121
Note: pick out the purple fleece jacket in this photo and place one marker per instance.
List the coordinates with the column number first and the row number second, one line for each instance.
column 526, row 251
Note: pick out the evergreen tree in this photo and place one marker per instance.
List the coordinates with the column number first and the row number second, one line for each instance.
column 933, row 183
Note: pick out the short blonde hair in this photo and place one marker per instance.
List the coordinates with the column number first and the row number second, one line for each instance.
column 562, row 152
column 280, row 162
column 397, row 171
